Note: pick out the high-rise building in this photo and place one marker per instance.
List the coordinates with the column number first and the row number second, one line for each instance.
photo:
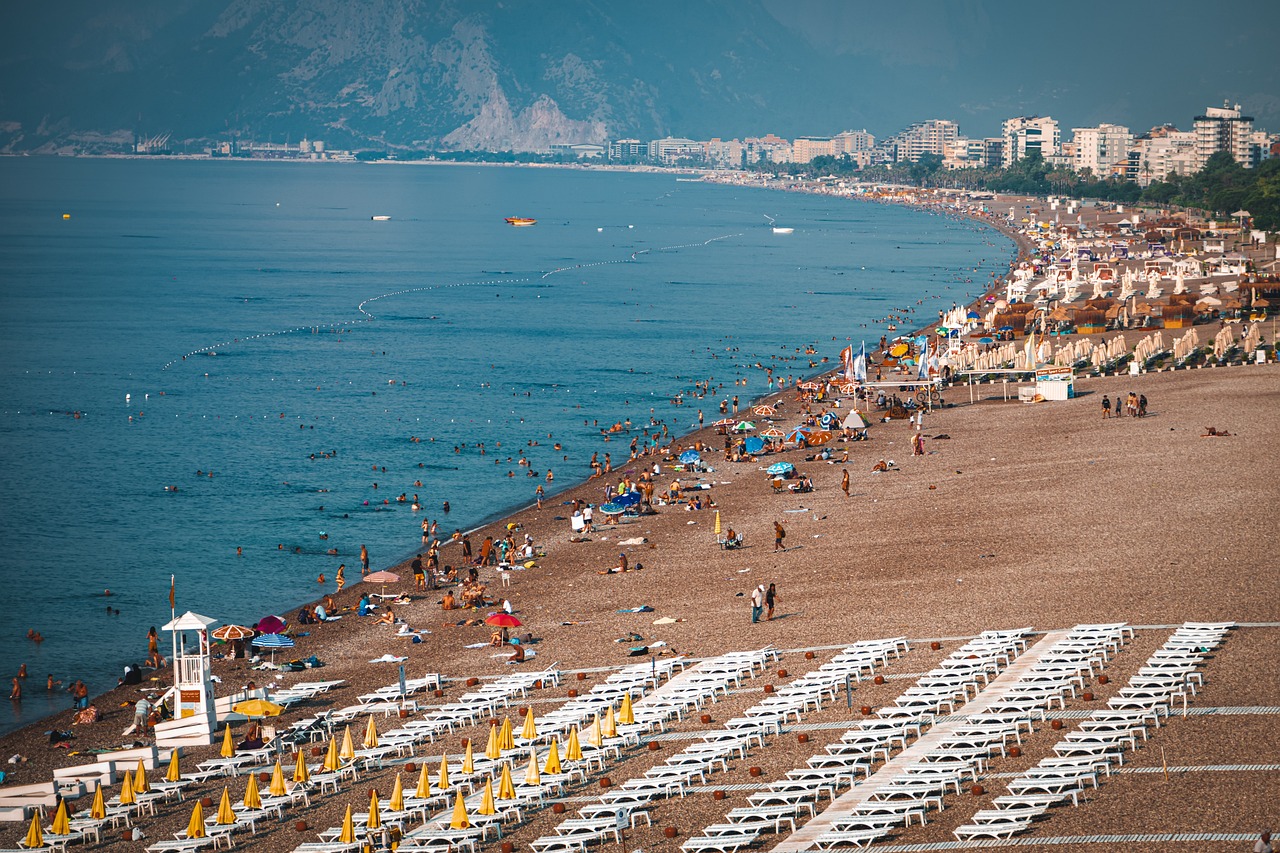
column 935, row 136
column 671, row 150
column 1156, row 154
column 852, row 142
column 805, row 148
column 1103, row 150
column 1224, row 129
column 1026, row 135
column 628, row 150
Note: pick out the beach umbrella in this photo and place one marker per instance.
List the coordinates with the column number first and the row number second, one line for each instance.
column 127, row 796
column 442, row 783
column 610, row 723
column 383, row 578
column 773, row 432
column 765, row 411
column 572, row 749
column 371, row 734
column 753, row 444
column 531, row 776
column 348, row 834
column 553, row 759
column 61, row 821
column 530, row 729
column 612, row 508
column 423, row 791
column 226, row 814
column 459, row 820
column 469, row 760
column 375, row 813
column 231, row 633
column 506, row 739
column 273, row 642
column 717, row 528
column 502, row 620
column 396, row 803
column 689, row 457
column 799, row 434
column 817, row 438
column 228, row 745
column 140, row 784
column 35, row 835
column 195, row 826
column 744, row 426
column 348, row 750
column 271, row 624
column 253, row 799
column 487, row 806
column 258, row 708
column 331, row 763
column 595, row 736
column 628, row 499
column 626, row 715
column 493, row 748
column 724, row 422
column 779, row 469
column 300, row 773
column 829, row 420
column 98, row 810
column 174, row 773
column 277, row 788
column 506, row 790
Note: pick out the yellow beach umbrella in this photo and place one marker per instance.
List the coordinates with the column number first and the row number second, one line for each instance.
column 35, row 835
column 506, row 738
column 174, row 773
column 396, row 803
column 487, row 806
column 459, row 819
column 423, row 790
column 530, row 730
column 277, row 788
column 442, row 783
column 531, row 776
column 61, row 822
column 572, row 749
column 127, row 796
column 226, row 814
column 348, row 751
column 493, row 747
column 258, row 708
column 195, row 826
column 348, row 834
column 553, row 759
column 301, row 774
column 506, row 790
column 371, row 734
column 595, row 736
column 469, row 759
column 375, row 813
column 610, row 724
column 98, row 811
column 228, row 745
column 253, row 799
column 717, row 530
column 331, row 763
column 140, row 784
column 626, row 715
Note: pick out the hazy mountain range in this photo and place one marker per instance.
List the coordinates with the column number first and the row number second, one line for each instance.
column 505, row 74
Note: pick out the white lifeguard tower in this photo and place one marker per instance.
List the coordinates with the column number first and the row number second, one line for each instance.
column 193, row 720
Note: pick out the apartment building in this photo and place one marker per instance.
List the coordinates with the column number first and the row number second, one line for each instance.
column 1103, row 150
column 1025, row 135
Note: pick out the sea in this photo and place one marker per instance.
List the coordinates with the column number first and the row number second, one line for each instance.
column 213, row 373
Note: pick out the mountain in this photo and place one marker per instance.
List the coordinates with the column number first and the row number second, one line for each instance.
column 86, row 75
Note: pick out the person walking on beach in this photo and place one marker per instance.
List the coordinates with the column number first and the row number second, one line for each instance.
column 1106, row 407
column 844, row 482
column 779, row 534
column 341, row 577
column 153, row 642
column 757, row 602
column 1142, row 405
column 538, row 494
column 364, row 560
column 770, row 599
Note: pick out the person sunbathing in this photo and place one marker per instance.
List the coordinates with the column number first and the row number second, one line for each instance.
column 1214, row 431
column 388, row 617
column 449, row 602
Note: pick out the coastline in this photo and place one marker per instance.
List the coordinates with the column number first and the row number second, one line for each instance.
column 927, row 597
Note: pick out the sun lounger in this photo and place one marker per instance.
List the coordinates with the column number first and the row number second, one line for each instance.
column 1001, row 829
column 725, row 842
column 848, row 838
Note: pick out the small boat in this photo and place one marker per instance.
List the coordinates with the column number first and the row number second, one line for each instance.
column 381, row 218
column 520, row 221
column 777, row 230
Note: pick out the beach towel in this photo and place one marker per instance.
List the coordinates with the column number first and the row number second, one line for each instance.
column 644, row 608
column 389, row 658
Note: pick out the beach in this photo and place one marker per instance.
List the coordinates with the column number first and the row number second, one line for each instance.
column 1017, row 515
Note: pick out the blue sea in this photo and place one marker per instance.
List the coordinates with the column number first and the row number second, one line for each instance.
column 199, row 357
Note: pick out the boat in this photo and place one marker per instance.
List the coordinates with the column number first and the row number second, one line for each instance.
column 520, row 221
column 381, row 218
column 777, row 230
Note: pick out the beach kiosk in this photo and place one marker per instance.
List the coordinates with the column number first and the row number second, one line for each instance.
column 1055, row 383
column 193, row 703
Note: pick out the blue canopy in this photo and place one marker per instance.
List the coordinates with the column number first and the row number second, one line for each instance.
column 612, row 508
column 627, row 499
column 753, row 444
column 829, row 420
column 273, row 641
column 780, row 468
column 690, row 456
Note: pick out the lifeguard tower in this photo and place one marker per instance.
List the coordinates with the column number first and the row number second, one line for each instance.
column 193, row 720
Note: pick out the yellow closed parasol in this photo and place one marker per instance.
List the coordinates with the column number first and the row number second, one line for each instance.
column 506, row 738
column 127, row 796
column 531, row 776
column 252, row 799
column 595, row 736
column 301, row 774
column 469, row 759
column 98, row 811
column 442, row 783
column 396, row 803
column 226, row 814
column 553, row 759
column 228, row 745
column 61, row 821
column 140, row 784
column 371, row 734
column 348, row 834
column 572, row 749
column 331, row 763
column 626, row 715
column 487, row 806
column 375, row 813
column 493, row 747
column 610, row 724
column 348, row 751
column 530, row 729
column 459, row 819
column 35, row 835
column 195, row 826
column 174, row 773
column 423, row 791
column 506, row 790
column 277, row 788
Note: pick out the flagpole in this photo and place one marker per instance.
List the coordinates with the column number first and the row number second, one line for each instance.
column 173, row 617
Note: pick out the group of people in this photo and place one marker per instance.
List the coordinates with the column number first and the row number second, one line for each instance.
column 763, row 601
column 1134, row 405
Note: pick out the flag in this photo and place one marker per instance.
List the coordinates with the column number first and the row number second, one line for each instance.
column 172, row 598
column 860, row 364
column 846, row 359
column 923, row 367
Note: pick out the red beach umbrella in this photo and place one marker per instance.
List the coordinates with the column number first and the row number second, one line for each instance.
column 502, row 620
column 271, row 624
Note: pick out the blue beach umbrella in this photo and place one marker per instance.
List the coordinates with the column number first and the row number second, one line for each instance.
column 612, row 508
column 829, row 420
column 627, row 499
column 273, row 642
column 779, row 469
column 799, row 434
column 690, row 456
column 986, row 340
column 753, row 444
